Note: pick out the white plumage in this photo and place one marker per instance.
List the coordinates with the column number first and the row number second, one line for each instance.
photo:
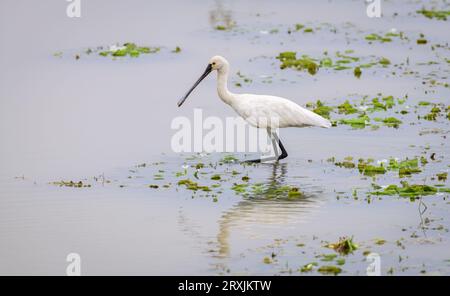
column 260, row 111
column 256, row 109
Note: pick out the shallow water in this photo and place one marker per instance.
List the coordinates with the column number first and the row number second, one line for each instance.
column 68, row 119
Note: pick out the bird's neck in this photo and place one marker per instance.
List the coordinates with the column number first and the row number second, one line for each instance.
column 222, row 86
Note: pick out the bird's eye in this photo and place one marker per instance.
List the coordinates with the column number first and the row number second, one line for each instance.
column 213, row 63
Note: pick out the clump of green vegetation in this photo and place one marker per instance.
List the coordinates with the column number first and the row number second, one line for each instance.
column 329, row 269
column 298, row 27
column 228, row 159
column 390, row 121
column 442, row 176
column 385, row 38
column 380, row 241
column 405, row 167
column 308, row 30
column 220, row 28
column 344, row 246
column 191, row 185
column 346, row 163
column 384, row 62
column 294, row 192
column 129, row 49
column 78, row 184
column 387, row 103
column 433, row 114
column 308, row 267
column 215, row 177
column 411, row 191
column 358, row 122
column 347, row 108
column 357, row 72
column 322, row 109
column 289, row 59
column 326, row 62
column 366, row 168
column 267, row 260
column 328, row 257
column 437, row 14
column 422, row 41
column 177, row 50
column 424, row 103
column 240, row 188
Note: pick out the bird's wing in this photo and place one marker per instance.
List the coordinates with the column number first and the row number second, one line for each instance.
column 258, row 109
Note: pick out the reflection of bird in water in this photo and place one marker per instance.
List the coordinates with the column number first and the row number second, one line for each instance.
column 262, row 209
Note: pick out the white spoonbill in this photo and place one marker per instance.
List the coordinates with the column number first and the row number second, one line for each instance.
column 260, row 111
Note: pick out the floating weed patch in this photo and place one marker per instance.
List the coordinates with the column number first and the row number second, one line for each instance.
column 358, row 122
column 343, row 61
column 344, row 246
column 405, row 167
column 411, row 191
column 215, row 177
column 323, row 110
column 347, row 163
column 73, row 184
column 366, row 168
column 347, row 108
column 380, row 241
column 177, row 50
column 328, row 257
column 191, row 185
column 442, row 177
column 424, row 103
column 228, row 159
column 308, row 267
column 128, row 49
column 384, row 62
column 357, row 72
column 435, row 14
column 289, row 59
column 389, row 121
column 433, row 114
column 421, row 41
column 369, row 168
column 329, row 269
column 383, row 38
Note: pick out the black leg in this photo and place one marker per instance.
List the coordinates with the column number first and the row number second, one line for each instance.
column 274, row 138
column 284, row 153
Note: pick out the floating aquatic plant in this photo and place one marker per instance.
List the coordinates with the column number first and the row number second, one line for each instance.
column 389, row 121
column 344, row 246
column 412, row 191
column 128, row 49
column 78, row 184
column 437, row 14
column 289, row 59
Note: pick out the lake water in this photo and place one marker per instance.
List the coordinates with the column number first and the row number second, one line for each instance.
column 98, row 119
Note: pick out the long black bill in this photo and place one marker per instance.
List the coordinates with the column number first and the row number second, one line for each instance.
column 207, row 71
